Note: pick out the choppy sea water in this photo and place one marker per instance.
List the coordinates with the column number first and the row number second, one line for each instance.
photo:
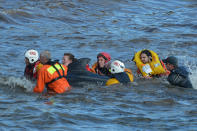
column 85, row 28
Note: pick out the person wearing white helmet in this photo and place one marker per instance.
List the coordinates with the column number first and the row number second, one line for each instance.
column 32, row 64
column 120, row 74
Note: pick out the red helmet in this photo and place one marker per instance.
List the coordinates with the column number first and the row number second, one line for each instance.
column 105, row 55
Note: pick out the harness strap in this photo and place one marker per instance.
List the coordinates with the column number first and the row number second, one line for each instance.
column 60, row 76
column 163, row 65
column 62, row 70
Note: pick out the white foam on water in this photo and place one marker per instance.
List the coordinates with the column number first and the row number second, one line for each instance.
column 193, row 78
column 185, row 102
column 16, row 82
column 190, row 63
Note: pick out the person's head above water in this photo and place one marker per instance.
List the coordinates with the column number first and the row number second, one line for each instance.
column 103, row 58
column 146, row 56
column 67, row 59
column 117, row 67
column 31, row 56
column 171, row 62
column 45, row 56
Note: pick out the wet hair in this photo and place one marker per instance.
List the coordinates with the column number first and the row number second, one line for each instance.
column 147, row 52
column 105, row 55
column 71, row 56
column 46, row 54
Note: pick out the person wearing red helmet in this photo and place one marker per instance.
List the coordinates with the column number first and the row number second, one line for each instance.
column 100, row 67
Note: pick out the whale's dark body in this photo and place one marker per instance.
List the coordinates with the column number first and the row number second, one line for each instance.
column 77, row 74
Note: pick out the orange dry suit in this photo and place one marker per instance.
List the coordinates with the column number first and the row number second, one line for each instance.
column 53, row 75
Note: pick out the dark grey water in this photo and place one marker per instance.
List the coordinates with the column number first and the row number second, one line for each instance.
column 85, row 28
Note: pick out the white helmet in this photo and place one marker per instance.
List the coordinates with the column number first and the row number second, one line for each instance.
column 117, row 67
column 32, row 56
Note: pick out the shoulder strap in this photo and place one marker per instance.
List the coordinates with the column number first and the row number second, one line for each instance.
column 60, row 76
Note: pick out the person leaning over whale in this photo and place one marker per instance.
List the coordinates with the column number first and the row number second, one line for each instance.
column 100, row 67
column 69, row 58
column 149, row 64
column 119, row 74
column 179, row 75
column 33, row 64
column 52, row 75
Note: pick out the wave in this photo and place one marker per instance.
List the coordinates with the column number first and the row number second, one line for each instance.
column 16, row 82
column 6, row 19
column 193, row 78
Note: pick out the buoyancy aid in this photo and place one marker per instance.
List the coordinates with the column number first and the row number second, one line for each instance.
column 123, row 77
column 101, row 71
column 128, row 70
column 53, row 75
column 150, row 69
column 94, row 66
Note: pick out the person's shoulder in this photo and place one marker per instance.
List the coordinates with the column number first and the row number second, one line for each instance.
column 181, row 67
column 64, row 66
column 182, row 70
column 44, row 67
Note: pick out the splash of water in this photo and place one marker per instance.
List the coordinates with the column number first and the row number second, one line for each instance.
column 15, row 82
column 193, row 78
column 190, row 63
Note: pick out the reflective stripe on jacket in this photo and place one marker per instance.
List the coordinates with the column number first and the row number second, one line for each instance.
column 47, row 74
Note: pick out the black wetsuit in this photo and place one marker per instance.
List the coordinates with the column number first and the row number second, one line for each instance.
column 77, row 73
column 121, row 77
column 103, row 71
column 180, row 77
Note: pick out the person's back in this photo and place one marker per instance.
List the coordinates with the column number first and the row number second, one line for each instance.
column 119, row 74
column 53, row 75
column 179, row 76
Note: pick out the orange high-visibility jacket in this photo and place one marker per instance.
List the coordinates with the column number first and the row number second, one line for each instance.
column 48, row 74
